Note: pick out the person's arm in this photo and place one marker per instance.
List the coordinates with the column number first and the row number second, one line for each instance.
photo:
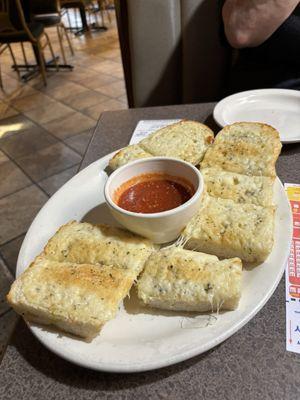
column 248, row 23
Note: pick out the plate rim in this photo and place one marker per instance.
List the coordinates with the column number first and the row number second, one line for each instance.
column 185, row 355
column 217, row 111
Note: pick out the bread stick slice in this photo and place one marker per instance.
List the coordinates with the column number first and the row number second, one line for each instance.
column 177, row 279
column 240, row 188
column 127, row 154
column 84, row 243
column 228, row 229
column 186, row 140
column 247, row 148
column 76, row 298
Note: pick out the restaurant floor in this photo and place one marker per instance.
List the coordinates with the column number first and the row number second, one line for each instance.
column 44, row 131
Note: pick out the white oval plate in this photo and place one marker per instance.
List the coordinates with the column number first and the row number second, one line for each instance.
column 277, row 107
column 144, row 339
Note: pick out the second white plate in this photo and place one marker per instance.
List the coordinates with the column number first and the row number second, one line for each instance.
column 277, row 107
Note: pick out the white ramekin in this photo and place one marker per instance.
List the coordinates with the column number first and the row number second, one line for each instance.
column 162, row 227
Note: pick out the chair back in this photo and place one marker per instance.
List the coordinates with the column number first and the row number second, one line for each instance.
column 12, row 18
column 40, row 7
column 4, row 4
column 5, row 22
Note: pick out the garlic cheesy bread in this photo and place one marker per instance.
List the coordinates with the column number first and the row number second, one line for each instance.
column 228, row 229
column 77, row 298
column 239, row 174
column 127, row 154
column 98, row 244
column 79, row 280
column 247, row 148
column 177, row 279
column 256, row 190
column 186, row 140
column 77, row 283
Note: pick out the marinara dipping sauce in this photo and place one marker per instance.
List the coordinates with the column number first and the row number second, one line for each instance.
column 153, row 193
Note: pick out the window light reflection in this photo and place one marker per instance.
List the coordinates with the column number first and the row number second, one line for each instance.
column 10, row 128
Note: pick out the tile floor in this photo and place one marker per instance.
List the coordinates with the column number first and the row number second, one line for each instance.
column 44, row 131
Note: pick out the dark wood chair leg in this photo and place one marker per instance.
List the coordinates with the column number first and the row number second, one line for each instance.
column 41, row 61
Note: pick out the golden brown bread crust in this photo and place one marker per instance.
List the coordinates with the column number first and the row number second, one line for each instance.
column 77, row 283
column 186, row 140
column 94, row 244
column 245, row 147
column 127, row 154
column 78, row 298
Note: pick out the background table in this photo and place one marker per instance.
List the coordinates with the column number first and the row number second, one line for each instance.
column 252, row 364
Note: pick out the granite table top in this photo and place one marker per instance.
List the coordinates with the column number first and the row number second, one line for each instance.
column 252, row 364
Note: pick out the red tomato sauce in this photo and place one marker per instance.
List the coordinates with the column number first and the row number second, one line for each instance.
column 152, row 193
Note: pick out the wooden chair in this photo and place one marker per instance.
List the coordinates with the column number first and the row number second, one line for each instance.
column 104, row 7
column 15, row 29
column 48, row 13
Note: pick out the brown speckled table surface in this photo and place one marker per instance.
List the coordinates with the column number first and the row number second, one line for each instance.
column 252, row 364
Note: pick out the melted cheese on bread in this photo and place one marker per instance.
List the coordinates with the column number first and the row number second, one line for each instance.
column 98, row 244
column 129, row 153
column 77, row 298
column 256, row 190
column 246, row 148
column 78, row 281
column 177, row 279
column 186, row 140
column 228, row 229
